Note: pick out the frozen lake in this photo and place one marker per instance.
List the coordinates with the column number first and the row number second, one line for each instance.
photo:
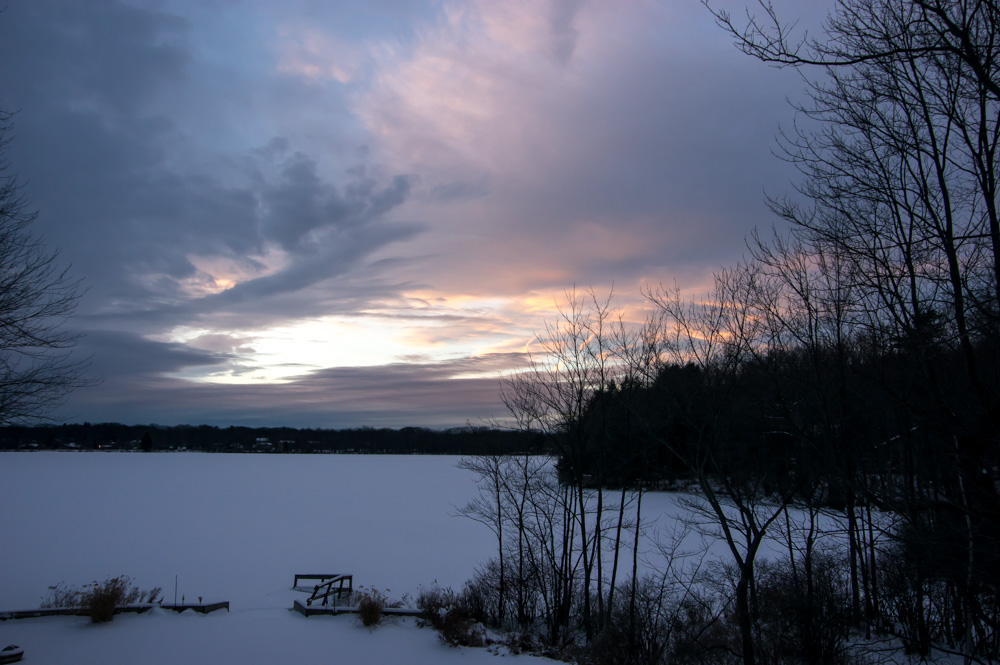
column 233, row 527
column 237, row 528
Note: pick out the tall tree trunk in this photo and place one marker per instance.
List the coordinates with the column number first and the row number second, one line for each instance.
column 587, row 561
column 743, row 615
column 635, row 572
column 853, row 554
column 599, row 547
column 610, row 607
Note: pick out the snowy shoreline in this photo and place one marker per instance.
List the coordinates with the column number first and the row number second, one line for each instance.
column 237, row 528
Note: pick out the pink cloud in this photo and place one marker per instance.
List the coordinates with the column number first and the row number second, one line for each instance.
column 584, row 143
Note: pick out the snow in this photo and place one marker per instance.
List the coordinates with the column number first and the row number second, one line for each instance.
column 270, row 636
column 236, row 528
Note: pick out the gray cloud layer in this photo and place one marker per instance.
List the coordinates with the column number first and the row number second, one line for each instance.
column 137, row 389
column 226, row 171
column 101, row 145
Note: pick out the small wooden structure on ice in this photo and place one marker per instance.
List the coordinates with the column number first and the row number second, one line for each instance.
column 325, row 589
column 337, row 587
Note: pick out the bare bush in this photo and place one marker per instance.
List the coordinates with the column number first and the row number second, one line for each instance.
column 434, row 602
column 61, row 595
column 371, row 606
column 100, row 598
column 153, row 595
column 668, row 623
column 639, row 636
column 449, row 613
column 703, row 634
column 804, row 613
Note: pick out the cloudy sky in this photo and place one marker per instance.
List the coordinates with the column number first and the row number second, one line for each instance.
column 328, row 213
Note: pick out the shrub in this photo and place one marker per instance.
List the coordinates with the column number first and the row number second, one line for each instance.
column 521, row 641
column 911, row 602
column 458, row 629
column 371, row 604
column 153, row 595
column 703, row 634
column 450, row 615
column 479, row 598
column 799, row 621
column 100, row 599
column 434, row 603
column 668, row 624
column 61, row 595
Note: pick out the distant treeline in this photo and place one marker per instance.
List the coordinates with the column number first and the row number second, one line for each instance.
column 149, row 438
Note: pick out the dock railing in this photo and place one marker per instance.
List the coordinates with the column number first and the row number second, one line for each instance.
column 331, row 585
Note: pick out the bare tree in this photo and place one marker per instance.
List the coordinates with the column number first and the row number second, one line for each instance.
column 36, row 299
column 554, row 395
column 961, row 29
column 902, row 179
column 488, row 508
column 720, row 337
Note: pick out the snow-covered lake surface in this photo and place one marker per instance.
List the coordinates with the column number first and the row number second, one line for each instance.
column 236, row 528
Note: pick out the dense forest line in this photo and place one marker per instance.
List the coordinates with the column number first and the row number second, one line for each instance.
column 408, row 440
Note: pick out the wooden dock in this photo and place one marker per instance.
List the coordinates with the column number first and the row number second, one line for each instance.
column 345, row 583
column 69, row 611
column 203, row 608
column 308, row 611
column 326, row 590
column 322, row 577
column 334, row 587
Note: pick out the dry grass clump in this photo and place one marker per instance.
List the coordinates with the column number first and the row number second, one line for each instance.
column 371, row 603
column 100, row 598
column 449, row 614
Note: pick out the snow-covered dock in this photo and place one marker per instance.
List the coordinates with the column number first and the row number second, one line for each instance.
column 203, row 608
column 305, row 610
column 69, row 611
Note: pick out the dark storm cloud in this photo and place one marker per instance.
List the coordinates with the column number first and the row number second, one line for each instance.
column 156, row 220
column 117, row 354
column 250, row 310
column 337, row 256
column 108, row 55
column 395, row 395
column 98, row 147
column 300, row 208
column 126, row 366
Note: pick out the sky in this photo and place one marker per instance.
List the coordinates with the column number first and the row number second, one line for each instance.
column 322, row 213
